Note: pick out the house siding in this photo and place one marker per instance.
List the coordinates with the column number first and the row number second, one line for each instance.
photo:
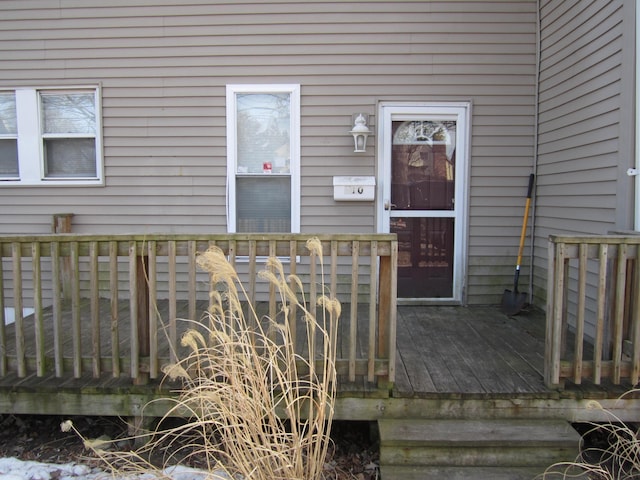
column 585, row 123
column 163, row 67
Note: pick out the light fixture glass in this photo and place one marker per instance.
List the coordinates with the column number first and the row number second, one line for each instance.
column 360, row 131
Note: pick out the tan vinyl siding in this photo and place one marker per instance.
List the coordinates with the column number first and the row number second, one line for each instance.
column 163, row 66
column 585, row 122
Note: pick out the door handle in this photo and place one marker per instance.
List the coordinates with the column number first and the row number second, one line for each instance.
column 388, row 205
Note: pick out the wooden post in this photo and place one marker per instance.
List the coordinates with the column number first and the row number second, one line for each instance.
column 62, row 224
column 139, row 428
column 142, row 300
column 384, row 301
column 384, row 307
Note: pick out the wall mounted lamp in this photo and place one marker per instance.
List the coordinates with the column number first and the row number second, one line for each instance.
column 360, row 131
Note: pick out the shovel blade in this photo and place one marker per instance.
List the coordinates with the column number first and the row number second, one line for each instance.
column 513, row 302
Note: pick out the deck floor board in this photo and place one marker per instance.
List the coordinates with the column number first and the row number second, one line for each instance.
column 412, row 373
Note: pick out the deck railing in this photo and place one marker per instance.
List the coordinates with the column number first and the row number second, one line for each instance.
column 593, row 311
column 60, row 293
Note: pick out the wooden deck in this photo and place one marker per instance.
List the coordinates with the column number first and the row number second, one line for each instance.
column 451, row 362
column 476, row 351
column 88, row 350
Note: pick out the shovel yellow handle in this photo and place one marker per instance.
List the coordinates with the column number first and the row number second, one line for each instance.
column 524, row 222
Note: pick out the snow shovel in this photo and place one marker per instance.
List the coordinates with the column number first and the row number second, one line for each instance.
column 512, row 300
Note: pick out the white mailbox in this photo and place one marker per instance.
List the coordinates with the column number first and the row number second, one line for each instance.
column 354, row 188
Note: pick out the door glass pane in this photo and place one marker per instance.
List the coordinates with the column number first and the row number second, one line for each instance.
column 425, row 256
column 263, row 204
column 264, row 132
column 423, row 167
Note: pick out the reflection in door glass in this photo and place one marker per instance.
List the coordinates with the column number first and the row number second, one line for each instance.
column 423, row 168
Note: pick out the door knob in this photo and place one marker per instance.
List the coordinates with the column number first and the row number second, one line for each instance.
column 388, row 205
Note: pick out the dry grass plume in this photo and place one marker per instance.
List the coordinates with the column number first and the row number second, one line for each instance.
column 255, row 407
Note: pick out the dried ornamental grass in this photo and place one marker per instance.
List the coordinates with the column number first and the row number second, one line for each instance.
column 617, row 459
column 257, row 409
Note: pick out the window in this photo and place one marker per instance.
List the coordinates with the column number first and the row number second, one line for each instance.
column 263, row 158
column 8, row 136
column 50, row 136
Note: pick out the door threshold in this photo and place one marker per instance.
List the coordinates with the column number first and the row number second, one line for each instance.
column 428, row 301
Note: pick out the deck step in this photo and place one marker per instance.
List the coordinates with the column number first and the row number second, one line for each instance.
column 395, row 472
column 465, row 449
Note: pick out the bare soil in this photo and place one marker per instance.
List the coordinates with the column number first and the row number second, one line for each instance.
column 353, row 456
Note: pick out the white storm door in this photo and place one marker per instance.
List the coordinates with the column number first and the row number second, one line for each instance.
column 422, row 171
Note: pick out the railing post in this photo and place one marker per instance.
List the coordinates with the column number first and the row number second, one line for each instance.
column 387, row 314
column 142, row 301
column 551, row 357
column 139, row 424
column 384, row 301
column 62, row 224
column 634, row 295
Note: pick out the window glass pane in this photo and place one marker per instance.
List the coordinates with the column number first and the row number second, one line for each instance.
column 8, row 158
column 8, row 133
column 264, row 132
column 70, row 157
column 70, row 113
column 263, row 204
column 8, row 124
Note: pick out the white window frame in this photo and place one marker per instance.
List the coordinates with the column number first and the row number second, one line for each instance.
column 294, row 147
column 31, row 138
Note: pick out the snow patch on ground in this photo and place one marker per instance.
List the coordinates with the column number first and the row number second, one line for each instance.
column 14, row 469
